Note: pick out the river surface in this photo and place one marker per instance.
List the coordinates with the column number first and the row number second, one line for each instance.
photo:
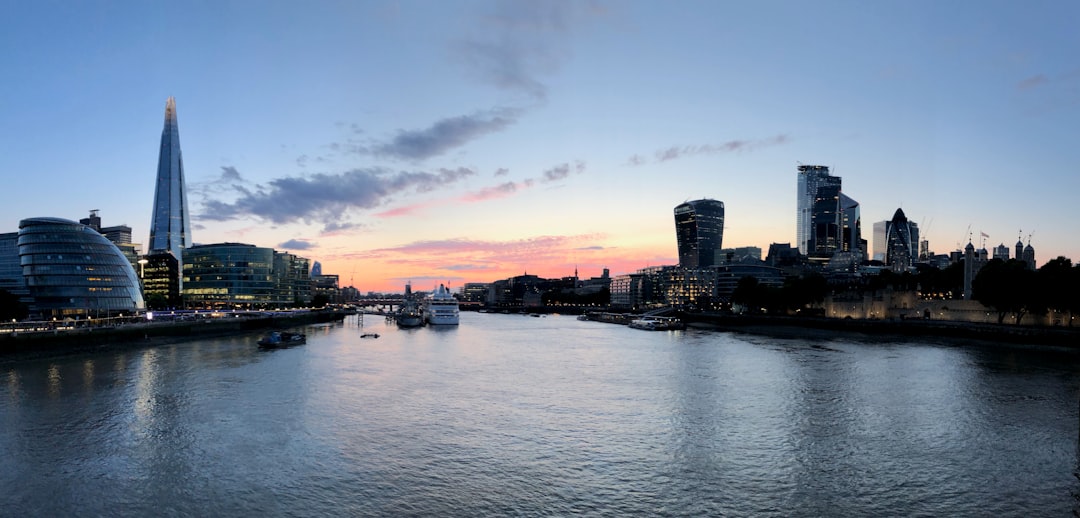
column 516, row 415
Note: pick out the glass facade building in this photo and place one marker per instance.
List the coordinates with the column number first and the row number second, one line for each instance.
column 229, row 276
column 71, row 270
column 901, row 242
column 699, row 232
column 170, row 228
column 811, row 179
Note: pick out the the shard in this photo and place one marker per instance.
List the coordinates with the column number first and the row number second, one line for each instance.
column 170, row 227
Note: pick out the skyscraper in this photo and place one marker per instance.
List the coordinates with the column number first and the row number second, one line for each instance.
column 901, row 242
column 699, row 231
column 170, row 227
column 811, row 179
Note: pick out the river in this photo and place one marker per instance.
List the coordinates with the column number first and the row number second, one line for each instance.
column 549, row 416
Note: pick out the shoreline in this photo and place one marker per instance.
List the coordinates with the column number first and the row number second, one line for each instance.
column 42, row 344
column 1068, row 338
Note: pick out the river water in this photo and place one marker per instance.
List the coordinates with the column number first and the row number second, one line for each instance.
column 515, row 415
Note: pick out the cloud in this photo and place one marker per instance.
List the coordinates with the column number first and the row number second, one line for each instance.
column 590, row 248
column 497, row 191
column 534, row 250
column 519, row 43
column 1032, row 82
column 446, row 134
column 325, row 198
column 466, row 267
column 502, row 171
column 731, row 146
column 296, row 244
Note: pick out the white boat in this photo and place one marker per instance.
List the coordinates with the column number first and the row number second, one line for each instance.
column 441, row 308
column 650, row 323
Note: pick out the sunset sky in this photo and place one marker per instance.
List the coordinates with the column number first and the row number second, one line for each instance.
column 470, row 141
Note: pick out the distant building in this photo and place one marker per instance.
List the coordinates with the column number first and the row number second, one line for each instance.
column 742, row 254
column 1001, row 252
column 120, row 235
column 1029, row 256
column 881, row 244
column 699, row 232
column 292, row 280
column 316, row 269
column 782, row 255
column 811, row 179
column 160, row 274
column 229, row 276
column 70, row 270
column 328, row 286
column 901, row 242
column 170, row 225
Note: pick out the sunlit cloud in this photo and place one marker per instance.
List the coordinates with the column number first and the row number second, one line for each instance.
column 324, row 198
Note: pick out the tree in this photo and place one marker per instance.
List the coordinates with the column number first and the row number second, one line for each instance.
column 1007, row 287
column 11, row 308
column 1054, row 285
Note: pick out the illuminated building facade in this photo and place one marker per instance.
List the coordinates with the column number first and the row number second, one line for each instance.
column 699, row 232
column 229, row 276
column 71, row 270
column 170, row 227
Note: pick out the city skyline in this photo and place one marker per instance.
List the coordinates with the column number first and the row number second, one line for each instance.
column 412, row 141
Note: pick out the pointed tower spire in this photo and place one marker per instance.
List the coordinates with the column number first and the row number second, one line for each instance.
column 170, row 226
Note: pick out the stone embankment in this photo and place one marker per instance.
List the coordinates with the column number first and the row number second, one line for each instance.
column 143, row 334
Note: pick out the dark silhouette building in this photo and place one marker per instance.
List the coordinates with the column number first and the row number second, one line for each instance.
column 699, row 232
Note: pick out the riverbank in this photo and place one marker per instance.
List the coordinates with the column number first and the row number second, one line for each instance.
column 14, row 346
column 916, row 328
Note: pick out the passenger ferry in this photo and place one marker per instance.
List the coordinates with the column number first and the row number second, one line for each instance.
column 441, row 308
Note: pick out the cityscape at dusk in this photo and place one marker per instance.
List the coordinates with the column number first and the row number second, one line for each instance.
column 465, row 142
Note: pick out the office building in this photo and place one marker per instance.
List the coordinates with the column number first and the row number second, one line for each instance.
column 812, row 178
column 70, row 270
column 699, row 232
column 229, row 276
column 170, row 226
column 901, row 242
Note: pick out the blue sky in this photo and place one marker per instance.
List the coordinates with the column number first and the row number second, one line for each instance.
column 469, row 141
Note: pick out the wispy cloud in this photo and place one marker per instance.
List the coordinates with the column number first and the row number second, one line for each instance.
column 496, row 191
column 731, row 146
column 296, row 244
column 324, row 198
column 514, row 47
column 1032, row 82
column 445, row 134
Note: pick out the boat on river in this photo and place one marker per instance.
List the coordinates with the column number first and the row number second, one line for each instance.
column 441, row 308
column 410, row 314
column 279, row 339
column 650, row 323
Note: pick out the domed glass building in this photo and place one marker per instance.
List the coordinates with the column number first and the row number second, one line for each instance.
column 72, row 270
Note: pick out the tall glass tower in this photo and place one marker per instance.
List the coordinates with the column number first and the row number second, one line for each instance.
column 699, row 230
column 811, row 179
column 170, row 227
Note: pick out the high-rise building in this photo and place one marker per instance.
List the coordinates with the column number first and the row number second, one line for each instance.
column 811, row 179
column 880, row 244
column 901, row 242
column 170, row 226
column 699, row 231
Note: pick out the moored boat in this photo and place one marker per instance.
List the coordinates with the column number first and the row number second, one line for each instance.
column 650, row 323
column 282, row 339
column 441, row 308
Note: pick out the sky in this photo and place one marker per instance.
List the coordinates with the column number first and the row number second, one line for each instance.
column 469, row 141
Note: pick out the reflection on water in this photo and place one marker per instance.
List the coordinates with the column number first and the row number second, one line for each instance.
column 512, row 415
